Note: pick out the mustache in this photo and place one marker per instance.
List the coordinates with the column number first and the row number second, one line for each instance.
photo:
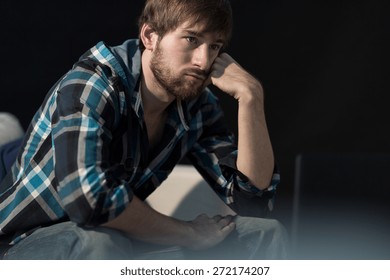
column 201, row 74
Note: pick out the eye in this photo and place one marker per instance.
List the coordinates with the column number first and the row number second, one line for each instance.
column 215, row 47
column 191, row 40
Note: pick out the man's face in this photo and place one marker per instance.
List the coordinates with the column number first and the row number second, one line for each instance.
column 182, row 60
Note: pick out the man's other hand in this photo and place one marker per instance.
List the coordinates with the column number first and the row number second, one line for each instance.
column 208, row 232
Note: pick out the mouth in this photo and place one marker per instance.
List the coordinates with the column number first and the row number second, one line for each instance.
column 195, row 76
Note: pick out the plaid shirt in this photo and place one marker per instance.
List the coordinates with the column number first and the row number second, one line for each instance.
column 75, row 164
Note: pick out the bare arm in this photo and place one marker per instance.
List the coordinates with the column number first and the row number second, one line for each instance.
column 142, row 222
column 255, row 155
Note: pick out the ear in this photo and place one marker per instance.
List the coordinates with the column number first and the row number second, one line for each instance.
column 148, row 36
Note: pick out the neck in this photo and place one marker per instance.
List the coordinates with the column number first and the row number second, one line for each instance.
column 155, row 99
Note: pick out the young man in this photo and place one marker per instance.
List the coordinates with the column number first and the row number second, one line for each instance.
column 111, row 130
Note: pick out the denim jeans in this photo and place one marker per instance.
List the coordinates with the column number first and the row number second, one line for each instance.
column 254, row 238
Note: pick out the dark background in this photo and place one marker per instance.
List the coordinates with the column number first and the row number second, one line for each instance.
column 324, row 66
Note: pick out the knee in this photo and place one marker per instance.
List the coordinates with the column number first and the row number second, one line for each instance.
column 276, row 228
column 251, row 224
column 104, row 244
column 72, row 242
column 268, row 237
column 278, row 240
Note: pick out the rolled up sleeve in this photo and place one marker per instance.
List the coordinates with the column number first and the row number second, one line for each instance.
column 82, row 122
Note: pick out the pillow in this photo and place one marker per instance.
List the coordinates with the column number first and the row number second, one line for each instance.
column 11, row 133
column 10, row 128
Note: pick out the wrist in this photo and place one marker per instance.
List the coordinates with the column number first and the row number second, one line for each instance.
column 187, row 235
column 251, row 101
column 251, row 93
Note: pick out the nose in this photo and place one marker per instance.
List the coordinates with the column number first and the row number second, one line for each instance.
column 202, row 57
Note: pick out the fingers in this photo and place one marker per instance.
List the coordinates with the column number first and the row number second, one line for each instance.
column 218, row 68
column 227, row 75
column 211, row 230
column 224, row 222
column 219, row 220
column 228, row 228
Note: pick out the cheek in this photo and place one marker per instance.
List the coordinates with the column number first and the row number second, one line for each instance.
column 176, row 56
column 179, row 61
column 214, row 56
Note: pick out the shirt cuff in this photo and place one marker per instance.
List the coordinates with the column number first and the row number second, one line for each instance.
column 244, row 184
column 229, row 170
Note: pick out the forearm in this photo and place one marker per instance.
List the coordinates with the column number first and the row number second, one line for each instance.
column 255, row 155
column 141, row 222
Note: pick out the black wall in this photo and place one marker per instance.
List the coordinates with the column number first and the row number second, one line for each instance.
column 324, row 65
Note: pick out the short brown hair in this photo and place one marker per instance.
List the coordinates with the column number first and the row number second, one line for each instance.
column 166, row 15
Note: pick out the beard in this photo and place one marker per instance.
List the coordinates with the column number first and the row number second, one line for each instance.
column 177, row 85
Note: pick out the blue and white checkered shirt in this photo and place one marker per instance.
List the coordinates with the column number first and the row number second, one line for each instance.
column 75, row 164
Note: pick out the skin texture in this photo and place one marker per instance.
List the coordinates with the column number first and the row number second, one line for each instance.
column 182, row 60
